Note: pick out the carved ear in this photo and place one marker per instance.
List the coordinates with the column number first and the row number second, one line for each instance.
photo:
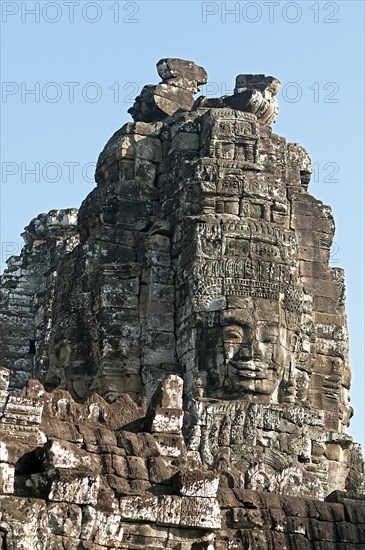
column 199, row 322
column 286, row 392
column 294, row 343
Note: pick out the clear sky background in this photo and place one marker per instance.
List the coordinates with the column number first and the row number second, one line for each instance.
column 86, row 61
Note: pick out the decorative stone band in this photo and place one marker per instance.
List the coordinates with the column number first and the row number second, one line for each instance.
column 261, row 477
column 20, row 417
column 215, row 288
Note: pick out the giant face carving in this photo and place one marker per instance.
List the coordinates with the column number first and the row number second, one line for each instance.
column 249, row 352
column 253, row 355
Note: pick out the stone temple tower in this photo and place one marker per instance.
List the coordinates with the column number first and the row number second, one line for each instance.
column 190, row 301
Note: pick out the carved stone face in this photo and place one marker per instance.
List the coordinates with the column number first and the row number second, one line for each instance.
column 254, row 355
column 249, row 353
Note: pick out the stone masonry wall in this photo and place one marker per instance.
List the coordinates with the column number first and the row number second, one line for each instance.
column 99, row 475
column 177, row 348
column 26, row 292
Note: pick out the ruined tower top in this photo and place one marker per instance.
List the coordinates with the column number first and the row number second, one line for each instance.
column 182, row 79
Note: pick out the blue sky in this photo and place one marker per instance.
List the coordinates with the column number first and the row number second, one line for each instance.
column 86, row 61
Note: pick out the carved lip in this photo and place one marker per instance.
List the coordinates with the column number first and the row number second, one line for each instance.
column 248, row 369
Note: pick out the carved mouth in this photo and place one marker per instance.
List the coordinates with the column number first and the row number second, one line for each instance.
column 247, row 370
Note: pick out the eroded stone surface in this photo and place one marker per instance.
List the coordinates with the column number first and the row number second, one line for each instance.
column 26, row 294
column 94, row 494
column 190, row 341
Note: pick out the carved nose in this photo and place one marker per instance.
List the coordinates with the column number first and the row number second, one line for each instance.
column 246, row 351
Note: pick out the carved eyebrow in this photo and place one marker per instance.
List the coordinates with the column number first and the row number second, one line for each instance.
column 238, row 322
column 234, row 322
column 269, row 325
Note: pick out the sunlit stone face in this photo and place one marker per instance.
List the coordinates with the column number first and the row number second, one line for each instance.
column 254, row 356
column 245, row 355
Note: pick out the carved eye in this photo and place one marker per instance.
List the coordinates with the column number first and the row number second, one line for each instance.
column 233, row 335
column 269, row 334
